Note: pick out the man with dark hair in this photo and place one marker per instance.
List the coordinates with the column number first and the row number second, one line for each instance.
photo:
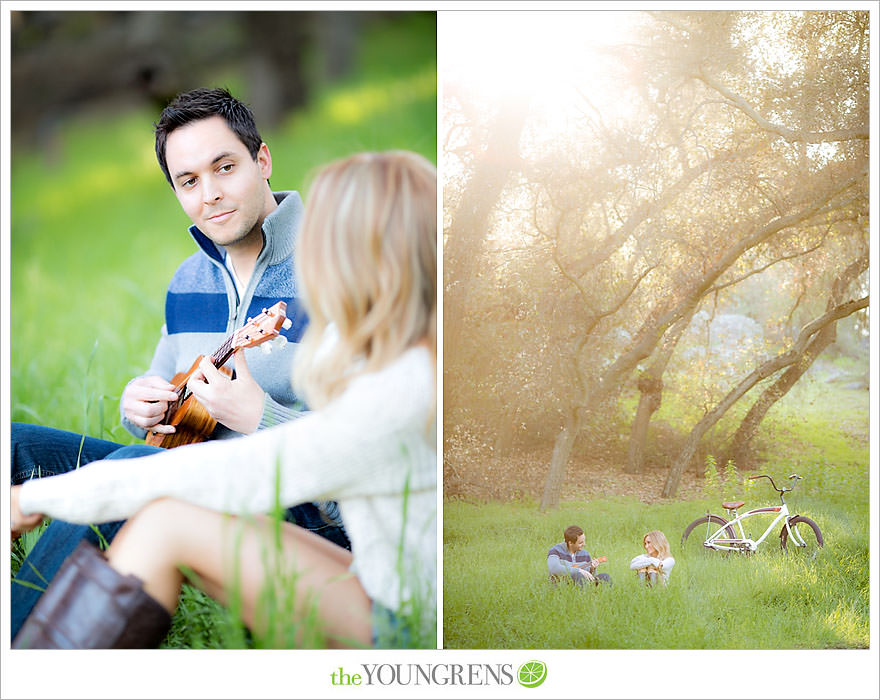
column 211, row 153
column 204, row 103
column 568, row 560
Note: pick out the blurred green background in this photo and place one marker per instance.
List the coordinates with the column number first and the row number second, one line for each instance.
column 96, row 232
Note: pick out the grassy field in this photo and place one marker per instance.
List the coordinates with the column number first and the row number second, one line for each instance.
column 766, row 601
column 96, row 234
column 496, row 593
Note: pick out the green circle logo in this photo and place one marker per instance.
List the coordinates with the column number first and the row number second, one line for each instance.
column 531, row 674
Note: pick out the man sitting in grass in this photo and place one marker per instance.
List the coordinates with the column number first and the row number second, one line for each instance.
column 211, row 153
column 569, row 560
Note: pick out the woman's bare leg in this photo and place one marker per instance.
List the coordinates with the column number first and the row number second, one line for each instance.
column 253, row 558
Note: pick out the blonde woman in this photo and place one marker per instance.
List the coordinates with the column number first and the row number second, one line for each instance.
column 656, row 563
column 366, row 261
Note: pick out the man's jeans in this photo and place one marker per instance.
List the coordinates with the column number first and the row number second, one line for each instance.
column 38, row 451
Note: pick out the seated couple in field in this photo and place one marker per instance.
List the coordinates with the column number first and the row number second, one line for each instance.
column 569, row 560
column 356, row 269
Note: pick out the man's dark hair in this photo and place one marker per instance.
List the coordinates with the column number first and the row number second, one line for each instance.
column 572, row 532
column 203, row 103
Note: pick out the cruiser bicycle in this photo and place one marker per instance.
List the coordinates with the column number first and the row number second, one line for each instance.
column 799, row 535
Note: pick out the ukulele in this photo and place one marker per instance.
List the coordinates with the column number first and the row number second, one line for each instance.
column 191, row 421
column 598, row 560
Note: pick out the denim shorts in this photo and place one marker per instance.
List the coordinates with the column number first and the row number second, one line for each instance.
column 390, row 631
column 322, row 518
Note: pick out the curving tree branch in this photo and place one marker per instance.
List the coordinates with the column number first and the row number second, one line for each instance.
column 765, row 370
column 791, row 135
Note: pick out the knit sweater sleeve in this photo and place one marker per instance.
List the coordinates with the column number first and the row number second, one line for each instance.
column 643, row 560
column 557, row 564
column 362, row 444
column 275, row 413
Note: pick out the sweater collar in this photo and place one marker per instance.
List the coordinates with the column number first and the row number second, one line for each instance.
column 280, row 230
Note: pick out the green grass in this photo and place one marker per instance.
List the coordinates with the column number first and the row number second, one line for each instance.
column 496, row 593
column 498, row 596
column 96, row 234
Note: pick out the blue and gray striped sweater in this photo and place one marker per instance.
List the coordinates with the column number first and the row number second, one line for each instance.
column 202, row 309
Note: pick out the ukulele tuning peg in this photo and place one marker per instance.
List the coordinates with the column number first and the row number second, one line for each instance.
column 287, row 324
column 266, row 348
column 280, row 341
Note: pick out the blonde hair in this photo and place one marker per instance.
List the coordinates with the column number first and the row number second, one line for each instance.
column 367, row 263
column 658, row 539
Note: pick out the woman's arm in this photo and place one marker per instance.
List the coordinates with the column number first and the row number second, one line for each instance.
column 643, row 560
column 364, row 443
column 18, row 522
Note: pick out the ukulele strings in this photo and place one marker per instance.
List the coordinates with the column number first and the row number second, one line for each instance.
column 223, row 352
column 219, row 356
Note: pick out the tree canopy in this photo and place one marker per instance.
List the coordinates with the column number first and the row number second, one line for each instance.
column 726, row 177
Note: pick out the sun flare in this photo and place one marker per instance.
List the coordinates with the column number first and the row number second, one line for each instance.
column 554, row 58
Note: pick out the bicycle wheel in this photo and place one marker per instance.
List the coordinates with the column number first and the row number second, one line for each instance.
column 699, row 531
column 805, row 530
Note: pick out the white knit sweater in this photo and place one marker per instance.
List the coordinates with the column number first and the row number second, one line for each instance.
column 643, row 560
column 371, row 449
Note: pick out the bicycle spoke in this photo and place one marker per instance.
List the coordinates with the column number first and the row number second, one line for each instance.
column 697, row 533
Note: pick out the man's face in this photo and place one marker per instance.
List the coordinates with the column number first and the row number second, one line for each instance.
column 220, row 187
column 577, row 545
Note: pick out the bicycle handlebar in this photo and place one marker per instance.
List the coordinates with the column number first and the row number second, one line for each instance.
column 775, row 487
column 765, row 476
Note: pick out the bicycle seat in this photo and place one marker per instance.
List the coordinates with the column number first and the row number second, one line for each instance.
column 732, row 505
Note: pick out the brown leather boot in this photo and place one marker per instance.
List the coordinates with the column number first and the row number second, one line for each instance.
column 90, row 605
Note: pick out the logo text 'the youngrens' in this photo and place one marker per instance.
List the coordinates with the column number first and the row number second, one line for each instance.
column 425, row 674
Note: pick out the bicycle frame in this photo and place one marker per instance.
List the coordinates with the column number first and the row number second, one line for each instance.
column 718, row 540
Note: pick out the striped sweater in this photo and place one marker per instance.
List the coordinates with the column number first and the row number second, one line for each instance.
column 202, row 308
column 560, row 561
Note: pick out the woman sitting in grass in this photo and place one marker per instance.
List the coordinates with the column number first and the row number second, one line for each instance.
column 656, row 563
column 366, row 261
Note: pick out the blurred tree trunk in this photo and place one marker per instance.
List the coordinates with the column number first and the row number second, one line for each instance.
column 469, row 225
column 561, row 453
column 579, row 410
column 650, row 387
column 765, row 370
column 741, row 442
column 650, row 398
column 275, row 74
column 506, row 431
